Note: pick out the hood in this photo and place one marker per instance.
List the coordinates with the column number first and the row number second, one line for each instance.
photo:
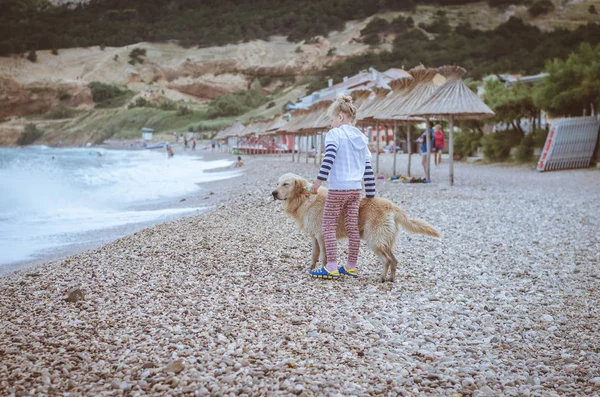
column 355, row 136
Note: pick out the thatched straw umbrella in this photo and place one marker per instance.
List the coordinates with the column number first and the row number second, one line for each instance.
column 423, row 88
column 301, row 119
column 368, row 110
column 232, row 131
column 389, row 105
column 453, row 100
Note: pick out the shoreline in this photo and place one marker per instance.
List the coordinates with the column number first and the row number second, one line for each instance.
column 207, row 198
column 221, row 302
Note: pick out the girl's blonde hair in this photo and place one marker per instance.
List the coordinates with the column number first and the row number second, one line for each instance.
column 343, row 104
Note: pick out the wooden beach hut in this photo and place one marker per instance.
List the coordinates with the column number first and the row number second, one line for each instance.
column 453, row 101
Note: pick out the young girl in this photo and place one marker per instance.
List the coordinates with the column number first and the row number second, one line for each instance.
column 346, row 164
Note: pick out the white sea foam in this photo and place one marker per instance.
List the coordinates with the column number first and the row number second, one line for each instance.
column 49, row 195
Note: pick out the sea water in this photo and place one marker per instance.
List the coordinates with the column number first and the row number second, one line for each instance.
column 53, row 198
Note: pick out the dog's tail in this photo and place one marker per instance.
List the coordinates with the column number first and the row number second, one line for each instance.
column 413, row 225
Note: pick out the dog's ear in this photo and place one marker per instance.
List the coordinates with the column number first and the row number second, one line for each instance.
column 298, row 186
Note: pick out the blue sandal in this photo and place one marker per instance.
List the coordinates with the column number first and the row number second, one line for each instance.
column 353, row 272
column 324, row 273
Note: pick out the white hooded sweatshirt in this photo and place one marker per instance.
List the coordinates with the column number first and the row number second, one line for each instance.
column 347, row 160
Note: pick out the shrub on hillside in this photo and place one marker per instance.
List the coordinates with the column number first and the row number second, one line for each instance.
column 107, row 133
column 29, row 135
column 60, row 112
column 167, row 104
column 371, row 39
column 183, row 111
column 135, row 56
column 108, row 96
column 440, row 25
column 32, row 56
column 140, row 102
column 540, row 7
column 592, row 9
column 63, row 96
column 235, row 104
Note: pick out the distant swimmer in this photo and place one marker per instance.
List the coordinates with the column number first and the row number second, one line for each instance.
column 239, row 163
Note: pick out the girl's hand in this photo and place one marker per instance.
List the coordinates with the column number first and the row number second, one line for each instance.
column 315, row 187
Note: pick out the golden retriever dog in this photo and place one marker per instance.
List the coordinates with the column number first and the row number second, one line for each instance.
column 379, row 221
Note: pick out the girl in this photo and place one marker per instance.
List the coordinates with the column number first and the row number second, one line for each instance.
column 346, row 164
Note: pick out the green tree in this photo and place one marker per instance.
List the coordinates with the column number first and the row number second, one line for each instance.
column 572, row 86
column 511, row 104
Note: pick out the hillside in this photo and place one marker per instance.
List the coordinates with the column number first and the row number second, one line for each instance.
column 482, row 38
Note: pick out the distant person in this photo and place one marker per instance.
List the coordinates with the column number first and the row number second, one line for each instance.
column 219, row 146
column 169, row 151
column 193, row 142
column 424, row 149
column 213, row 144
column 439, row 144
column 239, row 163
column 176, row 135
column 185, row 143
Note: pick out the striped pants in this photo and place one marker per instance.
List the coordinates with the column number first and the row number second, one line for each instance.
column 348, row 201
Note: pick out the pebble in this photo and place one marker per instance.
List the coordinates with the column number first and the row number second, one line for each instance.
column 220, row 303
column 75, row 295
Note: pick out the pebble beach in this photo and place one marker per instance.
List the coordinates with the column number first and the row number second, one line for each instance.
column 505, row 303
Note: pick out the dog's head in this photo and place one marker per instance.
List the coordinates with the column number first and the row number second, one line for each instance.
column 290, row 186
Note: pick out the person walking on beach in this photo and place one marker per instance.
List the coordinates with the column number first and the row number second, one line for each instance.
column 193, row 143
column 185, row 143
column 346, row 164
column 439, row 144
column 424, row 149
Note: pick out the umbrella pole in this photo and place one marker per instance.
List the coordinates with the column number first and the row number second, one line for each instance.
column 307, row 145
column 428, row 141
column 293, row 148
column 299, row 147
column 377, row 148
column 394, row 144
column 315, row 146
column 451, row 150
column 408, row 146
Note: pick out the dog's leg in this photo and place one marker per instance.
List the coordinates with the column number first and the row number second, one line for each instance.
column 394, row 264
column 316, row 251
column 321, row 241
column 386, row 263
